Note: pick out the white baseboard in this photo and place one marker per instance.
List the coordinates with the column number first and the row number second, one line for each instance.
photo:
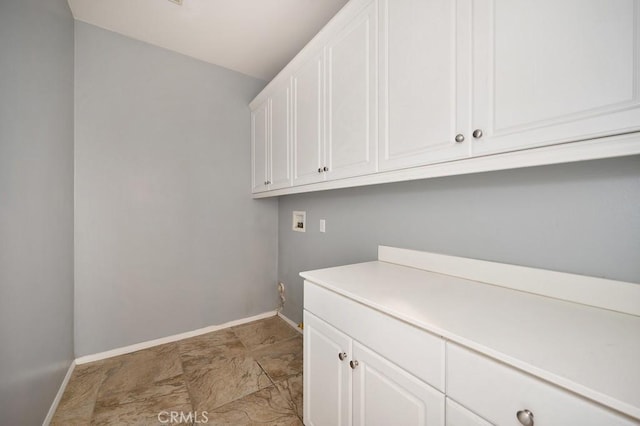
column 291, row 323
column 56, row 401
column 161, row 341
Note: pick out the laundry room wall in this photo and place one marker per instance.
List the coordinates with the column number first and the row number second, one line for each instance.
column 36, row 206
column 167, row 236
column 581, row 218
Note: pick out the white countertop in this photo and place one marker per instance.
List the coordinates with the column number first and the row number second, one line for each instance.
column 593, row 352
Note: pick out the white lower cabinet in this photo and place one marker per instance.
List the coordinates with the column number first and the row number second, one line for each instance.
column 327, row 376
column 347, row 383
column 504, row 395
column 384, row 394
column 457, row 415
column 366, row 367
column 389, row 343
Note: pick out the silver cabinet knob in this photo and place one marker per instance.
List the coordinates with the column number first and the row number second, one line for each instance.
column 319, row 169
column 459, row 137
column 325, row 168
column 268, row 182
column 477, row 133
column 525, row 417
column 342, row 356
column 353, row 364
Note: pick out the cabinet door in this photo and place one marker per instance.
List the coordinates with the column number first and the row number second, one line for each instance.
column 327, row 377
column 308, row 148
column 351, row 135
column 259, row 141
column 457, row 415
column 424, row 81
column 279, row 172
column 384, row 394
column 550, row 71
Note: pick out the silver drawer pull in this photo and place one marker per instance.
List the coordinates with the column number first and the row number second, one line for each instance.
column 525, row 417
column 353, row 364
column 342, row 356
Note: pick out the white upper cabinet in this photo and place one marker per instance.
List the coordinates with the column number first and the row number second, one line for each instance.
column 270, row 142
column 334, row 119
column 259, row 140
column 424, row 82
column 351, row 114
column 394, row 90
column 550, row 71
column 308, row 122
column 280, row 146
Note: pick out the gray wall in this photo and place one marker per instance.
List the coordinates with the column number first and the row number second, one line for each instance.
column 582, row 218
column 167, row 236
column 36, row 206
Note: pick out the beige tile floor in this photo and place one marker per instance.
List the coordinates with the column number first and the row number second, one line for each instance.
column 244, row 375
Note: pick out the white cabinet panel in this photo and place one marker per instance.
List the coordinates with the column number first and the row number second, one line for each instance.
column 507, row 350
column 327, row 378
column 424, row 99
column 259, row 140
column 307, row 122
column 457, row 415
column 420, row 353
column 498, row 392
column 390, row 85
column 270, row 142
column 280, row 147
column 553, row 71
column 384, row 394
column 351, row 142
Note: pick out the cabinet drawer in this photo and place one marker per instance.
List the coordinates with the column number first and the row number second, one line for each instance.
column 457, row 415
column 497, row 392
column 416, row 351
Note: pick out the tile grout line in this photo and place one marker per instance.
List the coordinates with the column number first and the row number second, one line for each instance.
column 288, row 398
column 184, row 376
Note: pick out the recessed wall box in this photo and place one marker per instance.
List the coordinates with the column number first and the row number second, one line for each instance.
column 299, row 221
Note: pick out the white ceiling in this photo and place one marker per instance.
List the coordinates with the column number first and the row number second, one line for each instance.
column 254, row 37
